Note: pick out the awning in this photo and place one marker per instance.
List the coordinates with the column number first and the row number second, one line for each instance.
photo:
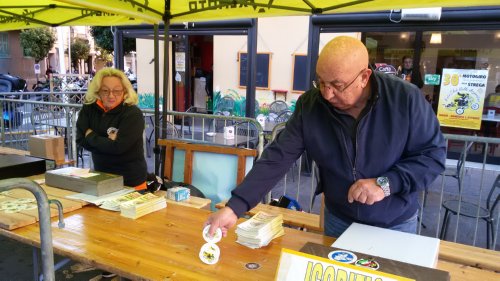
column 178, row 11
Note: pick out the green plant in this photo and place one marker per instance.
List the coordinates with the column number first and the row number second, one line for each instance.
column 80, row 50
column 147, row 100
column 103, row 38
column 37, row 42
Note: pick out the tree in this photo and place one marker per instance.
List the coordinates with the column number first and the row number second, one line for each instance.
column 80, row 50
column 37, row 42
column 103, row 38
column 104, row 55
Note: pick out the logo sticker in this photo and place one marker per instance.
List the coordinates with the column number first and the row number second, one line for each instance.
column 368, row 263
column 342, row 256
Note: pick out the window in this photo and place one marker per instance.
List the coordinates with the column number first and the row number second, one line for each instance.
column 4, row 45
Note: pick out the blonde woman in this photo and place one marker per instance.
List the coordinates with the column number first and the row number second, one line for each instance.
column 110, row 125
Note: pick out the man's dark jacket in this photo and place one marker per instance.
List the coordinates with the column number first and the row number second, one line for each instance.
column 399, row 137
column 123, row 156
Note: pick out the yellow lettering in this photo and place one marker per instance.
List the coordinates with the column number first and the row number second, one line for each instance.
column 329, row 274
column 317, row 272
column 307, row 277
column 341, row 275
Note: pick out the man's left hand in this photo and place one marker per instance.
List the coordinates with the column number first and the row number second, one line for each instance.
column 365, row 191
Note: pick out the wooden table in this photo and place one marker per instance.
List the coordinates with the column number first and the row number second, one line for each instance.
column 165, row 245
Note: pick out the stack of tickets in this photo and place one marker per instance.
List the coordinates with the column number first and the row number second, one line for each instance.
column 142, row 205
column 260, row 230
column 114, row 204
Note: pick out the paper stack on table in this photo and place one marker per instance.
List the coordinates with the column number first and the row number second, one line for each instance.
column 114, row 203
column 260, row 230
column 142, row 205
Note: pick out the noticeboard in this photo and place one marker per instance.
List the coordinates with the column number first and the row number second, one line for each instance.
column 263, row 70
column 299, row 79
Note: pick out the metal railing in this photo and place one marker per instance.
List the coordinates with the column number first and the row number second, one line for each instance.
column 56, row 112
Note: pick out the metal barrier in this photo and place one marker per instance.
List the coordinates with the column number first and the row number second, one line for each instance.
column 57, row 112
column 476, row 177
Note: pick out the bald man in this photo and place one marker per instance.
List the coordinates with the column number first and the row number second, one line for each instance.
column 375, row 140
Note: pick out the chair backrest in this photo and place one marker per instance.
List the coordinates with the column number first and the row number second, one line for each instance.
column 461, row 163
column 247, row 129
column 277, row 107
column 495, row 190
column 225, row 104
column 283, row 116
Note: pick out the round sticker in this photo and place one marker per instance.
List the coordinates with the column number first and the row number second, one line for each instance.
column 214, row 239
column 342, row 256
column 209, row 253
column 368, row 263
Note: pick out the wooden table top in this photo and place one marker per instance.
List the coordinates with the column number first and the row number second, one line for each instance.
column 165, row 245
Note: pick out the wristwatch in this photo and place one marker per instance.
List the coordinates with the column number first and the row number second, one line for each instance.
column 383, row 182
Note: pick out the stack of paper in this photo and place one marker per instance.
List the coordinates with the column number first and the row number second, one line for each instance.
column 142, row 205
column 84, row 181
column 114, row 203
column 260, row 230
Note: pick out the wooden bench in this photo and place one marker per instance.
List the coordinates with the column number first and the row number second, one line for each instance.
column 308, row 221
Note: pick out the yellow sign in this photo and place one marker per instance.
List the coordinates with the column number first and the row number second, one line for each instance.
column 295, row 265
column 461, row 98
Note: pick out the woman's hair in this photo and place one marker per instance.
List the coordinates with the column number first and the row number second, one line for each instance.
column 130, row 96
column 406, row 57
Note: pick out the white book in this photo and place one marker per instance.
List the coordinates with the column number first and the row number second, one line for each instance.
column 390, row 244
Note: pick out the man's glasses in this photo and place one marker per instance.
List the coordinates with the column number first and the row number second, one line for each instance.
column 328, row 86
column 107, row 92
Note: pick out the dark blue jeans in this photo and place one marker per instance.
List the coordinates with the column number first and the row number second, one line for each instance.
column 335, row 226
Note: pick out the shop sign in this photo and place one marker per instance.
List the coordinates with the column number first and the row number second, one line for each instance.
column 295, row 265
column 386, row 68
column 431, row 79
column 461, row 98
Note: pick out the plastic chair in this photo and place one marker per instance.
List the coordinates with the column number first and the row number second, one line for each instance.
column 472, row 210
column 277, row 107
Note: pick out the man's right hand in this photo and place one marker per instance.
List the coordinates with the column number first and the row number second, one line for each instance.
column 224, row 219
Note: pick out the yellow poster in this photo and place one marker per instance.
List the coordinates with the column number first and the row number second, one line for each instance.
column 461, row 98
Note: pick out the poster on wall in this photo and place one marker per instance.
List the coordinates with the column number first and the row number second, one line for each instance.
column 180, row 61
column 461, row 98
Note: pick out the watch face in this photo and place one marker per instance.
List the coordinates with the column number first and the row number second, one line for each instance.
column 382, row 181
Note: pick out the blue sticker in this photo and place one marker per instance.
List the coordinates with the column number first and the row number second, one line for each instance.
column 342, row 256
